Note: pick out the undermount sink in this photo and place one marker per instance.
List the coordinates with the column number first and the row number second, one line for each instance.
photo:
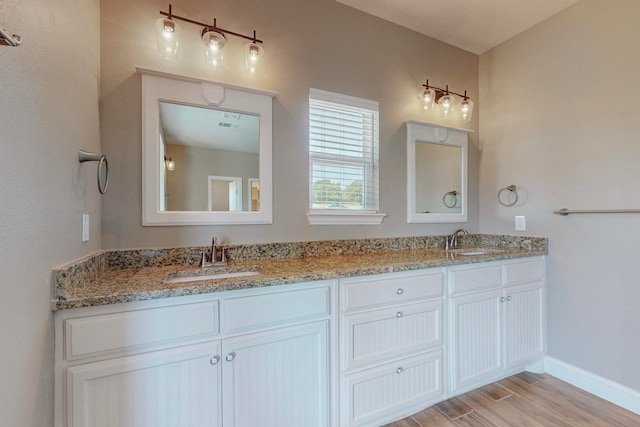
column 181, row 277
column 475, row 251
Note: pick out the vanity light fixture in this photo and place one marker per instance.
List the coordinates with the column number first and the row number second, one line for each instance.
column 214, row 39
column 170, row 164
column 435, row 98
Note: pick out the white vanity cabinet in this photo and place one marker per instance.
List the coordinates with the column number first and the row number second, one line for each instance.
column 496, row 320
column 242, row 358
column 391, row 354
column 176, row 387
column 281, row 376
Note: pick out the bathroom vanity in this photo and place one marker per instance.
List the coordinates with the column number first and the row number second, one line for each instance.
column 336, row 340
column 237, row 358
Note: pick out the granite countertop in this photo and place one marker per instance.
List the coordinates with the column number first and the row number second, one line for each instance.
column 112, row 277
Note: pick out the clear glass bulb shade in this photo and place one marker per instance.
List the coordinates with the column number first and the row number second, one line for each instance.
column 214, row 43
column 171, row 165
column 253, row 58
column 466, row 110
column 447, row 106
column 167, row 35
column 427, row 98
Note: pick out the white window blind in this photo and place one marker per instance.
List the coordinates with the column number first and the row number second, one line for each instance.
column 343, row 152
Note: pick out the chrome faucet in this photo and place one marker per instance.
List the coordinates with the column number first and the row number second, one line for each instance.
column 215, row 260
column 452, row 240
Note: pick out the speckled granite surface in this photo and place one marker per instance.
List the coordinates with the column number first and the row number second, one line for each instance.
column 111, row 277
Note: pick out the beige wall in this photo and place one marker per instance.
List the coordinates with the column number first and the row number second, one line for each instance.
column 560, row 120
column 48, row 110
column 320, row 44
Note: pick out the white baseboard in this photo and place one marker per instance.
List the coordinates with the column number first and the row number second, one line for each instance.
column 537, row 367
column 594, row 384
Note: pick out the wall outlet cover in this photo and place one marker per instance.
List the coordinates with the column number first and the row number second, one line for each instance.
column 521, row 223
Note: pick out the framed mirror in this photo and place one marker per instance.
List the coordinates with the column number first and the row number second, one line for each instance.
column 436, row 173
column 206, row 152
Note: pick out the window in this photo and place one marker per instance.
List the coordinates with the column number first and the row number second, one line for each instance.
column 343, row 159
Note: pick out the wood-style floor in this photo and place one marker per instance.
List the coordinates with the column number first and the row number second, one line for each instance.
column 523, row 400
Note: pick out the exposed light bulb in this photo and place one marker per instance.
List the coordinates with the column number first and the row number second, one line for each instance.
column 214, row 43
column 167, row 34
column 171, row 165
column 253, row 58
column 446, row 106
column 427, row 98
column 168, row 30
column 466, row 110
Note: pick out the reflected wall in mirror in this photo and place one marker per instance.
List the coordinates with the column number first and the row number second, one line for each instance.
column 218, row 139
column 438, row 183
column 215, row 155
column 436, row 173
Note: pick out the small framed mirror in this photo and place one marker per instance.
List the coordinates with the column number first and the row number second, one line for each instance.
column 436, row 173
column 206, row 152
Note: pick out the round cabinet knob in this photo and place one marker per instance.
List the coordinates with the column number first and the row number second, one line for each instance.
column 230, row 356
column 214, row 360
column 399, row 370
column 501, row 299
column 399, row 314
column 400, row 291
column 509, row 298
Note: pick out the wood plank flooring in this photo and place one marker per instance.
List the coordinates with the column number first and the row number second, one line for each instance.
column 523, row 400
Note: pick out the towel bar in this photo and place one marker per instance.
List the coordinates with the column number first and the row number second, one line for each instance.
column 565, row 211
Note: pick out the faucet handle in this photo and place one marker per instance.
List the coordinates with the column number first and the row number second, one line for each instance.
column 203, row 259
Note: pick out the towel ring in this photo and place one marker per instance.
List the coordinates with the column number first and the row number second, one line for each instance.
column 512, row 190
column 452, row 200
column 8, row 39
column 85, row 156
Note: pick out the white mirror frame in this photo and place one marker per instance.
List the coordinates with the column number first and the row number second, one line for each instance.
column 158, row 86
column 426, row 132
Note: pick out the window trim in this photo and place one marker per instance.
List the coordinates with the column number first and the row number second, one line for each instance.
column 347, row 217
column 326, row 217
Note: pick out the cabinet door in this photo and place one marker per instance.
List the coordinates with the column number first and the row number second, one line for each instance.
column 177, row 387
column 523, row 326
column 277, row 378
column 476, row 338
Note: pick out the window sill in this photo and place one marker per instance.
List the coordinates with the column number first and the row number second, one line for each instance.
column 345, row 218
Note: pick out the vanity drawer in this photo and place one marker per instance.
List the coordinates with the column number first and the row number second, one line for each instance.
column 393, row 389
column 524, row 272
column 474, row 279
column 393, row 288
column 124, row 331
column 266, row 310
column 381, row 334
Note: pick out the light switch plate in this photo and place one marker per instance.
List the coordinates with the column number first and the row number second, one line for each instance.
column 521, row 223
column 85, row 227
